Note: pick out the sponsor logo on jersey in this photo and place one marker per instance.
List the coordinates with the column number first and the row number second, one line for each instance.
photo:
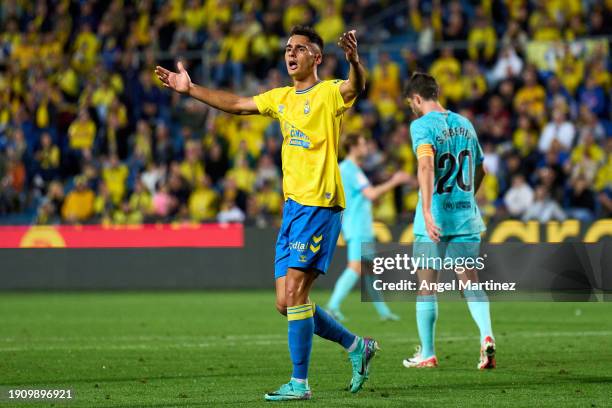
column 450, row 205
column 296, row 136
column 297, row 246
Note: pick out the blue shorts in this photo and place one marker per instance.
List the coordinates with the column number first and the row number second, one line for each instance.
column 451, row 246
column 307, row 238
column 354, row 248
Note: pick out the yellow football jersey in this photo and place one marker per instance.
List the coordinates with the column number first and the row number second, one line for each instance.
column 310, row 121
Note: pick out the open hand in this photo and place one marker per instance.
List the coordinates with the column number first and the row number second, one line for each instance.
column 178, row 81
column 348, row 42
column 401, row 177
column 433, row 231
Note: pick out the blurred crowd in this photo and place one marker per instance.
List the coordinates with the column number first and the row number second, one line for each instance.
column 87, row 135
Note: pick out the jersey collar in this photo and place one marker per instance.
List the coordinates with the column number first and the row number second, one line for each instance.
column 303, row 91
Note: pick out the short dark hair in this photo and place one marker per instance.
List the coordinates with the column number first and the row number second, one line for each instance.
column 422, row 84
column 308, row 31
column 351, row 140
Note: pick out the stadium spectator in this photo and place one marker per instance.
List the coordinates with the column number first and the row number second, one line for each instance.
column 79, row 203
column 508, row 65
column 104, row 206
column 543, row 208
column 593, row 96
column 559, row 130
column 514, row 38
column 581, row 200
column 77, row 92
column 519, row 197
column 385, row 78
column 331, row 24
column 530, row 98
column 589, row 123
column 230, row 212
column 203, row 201
column 140, row 204
column 12, row 182
column 47, row 158
column 192, row 169
column 269, row 202
column 233, row 56
column 556, row 92
column 446, row 68
column 114, row 175
column 482, row 38
column 49, row 211
column 82, row 131
column 163, row 203
column 586, row 158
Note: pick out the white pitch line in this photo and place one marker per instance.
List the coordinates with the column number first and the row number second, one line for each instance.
column 143, row 338
column 269, row 340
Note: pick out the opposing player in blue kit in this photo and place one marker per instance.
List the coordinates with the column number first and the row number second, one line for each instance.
column 357, row 222
column 447, row 219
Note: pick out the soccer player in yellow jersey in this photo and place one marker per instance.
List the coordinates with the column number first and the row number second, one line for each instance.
column 310, row 113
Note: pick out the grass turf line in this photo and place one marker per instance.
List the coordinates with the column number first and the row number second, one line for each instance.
column 200, row 349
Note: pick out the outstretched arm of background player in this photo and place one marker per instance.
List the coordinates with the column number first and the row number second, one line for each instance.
column 373, row 192
column 225, row 101
column 426, row 177
column 356, row 82
column 478, row 177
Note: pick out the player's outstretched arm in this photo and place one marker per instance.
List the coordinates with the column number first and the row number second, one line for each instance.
column 373, row 192
column 356, row 82
column 225, row 101
column 425, row 174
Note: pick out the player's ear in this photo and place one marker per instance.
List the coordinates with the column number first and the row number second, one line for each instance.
column 318, row 58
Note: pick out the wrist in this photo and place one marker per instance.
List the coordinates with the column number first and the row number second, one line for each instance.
column 190, row 89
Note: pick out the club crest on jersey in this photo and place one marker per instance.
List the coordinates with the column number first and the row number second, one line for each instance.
column 281, row 108
column 307, row 108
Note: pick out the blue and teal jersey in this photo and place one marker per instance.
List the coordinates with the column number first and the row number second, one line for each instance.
column 357, row 223
column 456, row 155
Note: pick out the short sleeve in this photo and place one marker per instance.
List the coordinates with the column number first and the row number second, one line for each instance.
column 478, row 153
column 337, row 100
column 266, row 103
column 420, row 135
column 361, row 180
column 347, row 178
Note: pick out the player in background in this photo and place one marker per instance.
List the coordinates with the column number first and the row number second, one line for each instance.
column 357, row 220
column 447, row 220
column 310, row 114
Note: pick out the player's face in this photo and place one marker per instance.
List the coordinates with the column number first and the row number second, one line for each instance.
column 416, row 104
column 361, row 148
column 301, row 57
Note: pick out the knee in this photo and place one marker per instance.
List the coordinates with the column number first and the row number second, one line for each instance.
column 293, row 291
column 281, row 306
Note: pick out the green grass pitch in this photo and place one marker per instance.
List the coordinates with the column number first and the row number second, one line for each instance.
column 200, row 349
